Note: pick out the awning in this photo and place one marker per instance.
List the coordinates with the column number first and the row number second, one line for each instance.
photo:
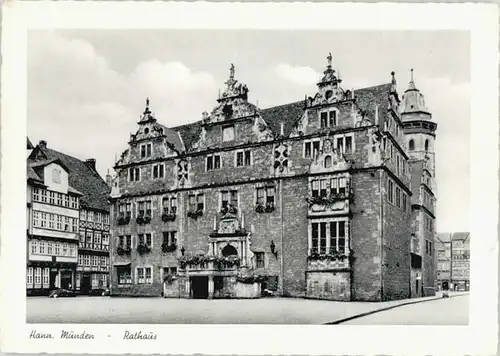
column 121, row 264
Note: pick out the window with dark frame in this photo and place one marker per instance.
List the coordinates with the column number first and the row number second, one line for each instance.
column 200, row 202
column 259, row 260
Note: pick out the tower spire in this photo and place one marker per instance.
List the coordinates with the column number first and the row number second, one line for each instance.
column 411, row 75
column 329, row 60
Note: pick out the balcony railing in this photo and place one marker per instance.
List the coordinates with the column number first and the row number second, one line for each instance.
column 209, row 263
column 332, row 259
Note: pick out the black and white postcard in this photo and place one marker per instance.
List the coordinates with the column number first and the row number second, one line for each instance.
column 249, row 178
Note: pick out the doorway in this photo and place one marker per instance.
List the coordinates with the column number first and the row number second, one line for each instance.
column 446, row 286
column 199, row 287
column 53, row 277
column 66, row 280
column 86, row 284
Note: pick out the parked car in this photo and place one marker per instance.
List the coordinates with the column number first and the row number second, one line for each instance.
column 58, row 293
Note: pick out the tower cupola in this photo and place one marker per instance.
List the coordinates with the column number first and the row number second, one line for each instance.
column 413, row 104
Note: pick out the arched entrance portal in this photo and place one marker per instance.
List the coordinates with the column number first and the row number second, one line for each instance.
column 229, row 250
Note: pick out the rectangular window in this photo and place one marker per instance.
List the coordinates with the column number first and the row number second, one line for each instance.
column 314, row 237
column 158, row 171
column 228, row 133
column 390, row 193
column 348, row 144
column 322, row 237
column 124, row 275
column 74, row 225
column 315, row 188
column 316, row 147
column 29, row 275
column 243, row 158
column 105, row 239
column 44, row 220
column 332, row 116
column 42, row 247
column 49, row 248
column 134, row 174
column 405, row 208
column 59, row 199
column 398, row 197
column 270, row 195
column 66, row 201
column 140, row 208
column 65, row 249
column 259, row 260
column 34, row 246
column 52, row 197
column 229, row 197
column 80, row 260
column 72, row 250
column 74, row 202
column 149, row 211
column 95, row 260
column 66, row 224
column 97, row 238
column 57, row 249
column 59, row 222
column 323, row 119
column 260, row 195
column 148, row 273
column 341, row 236
column 140, row 275
column 307, row 149
column 36, row 218
column 200, row 202
column 36, row 195
column 146, row 150
column 324, row 187
column 38, row 275
column 213, row 162
column 44, row 196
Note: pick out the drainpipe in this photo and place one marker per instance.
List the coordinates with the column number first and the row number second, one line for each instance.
column 282, row 269
column 381, row 237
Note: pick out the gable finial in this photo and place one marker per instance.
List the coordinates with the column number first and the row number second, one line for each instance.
column 329, row 59
column 231, row 71
column 411, row 75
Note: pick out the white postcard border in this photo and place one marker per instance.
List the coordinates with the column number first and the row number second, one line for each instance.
column 477, row 338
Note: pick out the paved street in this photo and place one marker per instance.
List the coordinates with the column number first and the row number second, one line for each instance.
column 195, row 311
column 451, row 311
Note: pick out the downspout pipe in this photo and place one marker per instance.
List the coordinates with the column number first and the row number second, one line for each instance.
column 282, row 267
column 381, row 236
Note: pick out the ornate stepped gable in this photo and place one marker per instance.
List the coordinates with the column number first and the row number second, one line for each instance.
column 151, row 131
column 233, row 106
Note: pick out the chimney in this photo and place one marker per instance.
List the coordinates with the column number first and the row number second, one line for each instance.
column 91, row 163
column 42, row 144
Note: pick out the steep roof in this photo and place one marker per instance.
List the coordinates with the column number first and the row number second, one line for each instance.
column 443, row 237
column 29, row 145
column 461, row 236
column 288, row 114
column 83, row 178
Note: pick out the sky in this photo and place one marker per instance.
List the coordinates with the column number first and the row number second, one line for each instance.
column 87, row 88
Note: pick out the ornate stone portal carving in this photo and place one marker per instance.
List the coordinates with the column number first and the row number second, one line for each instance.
column 329, row 159
column 281, row 154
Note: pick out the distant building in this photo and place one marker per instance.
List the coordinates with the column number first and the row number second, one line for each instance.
column 52, row 230
column 86, row 243
column 460, row 261
column 443, row 259
column 310, row 199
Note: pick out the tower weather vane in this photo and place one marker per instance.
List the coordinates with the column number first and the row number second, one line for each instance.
column 329, row 59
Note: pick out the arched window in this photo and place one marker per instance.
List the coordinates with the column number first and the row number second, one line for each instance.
column 229, row 250
column 411, row 145
column 427, row 145
column 328, row 161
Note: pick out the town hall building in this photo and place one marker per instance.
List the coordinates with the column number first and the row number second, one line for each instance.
column 330, row 197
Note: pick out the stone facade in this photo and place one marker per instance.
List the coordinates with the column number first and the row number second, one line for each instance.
column 310, row 199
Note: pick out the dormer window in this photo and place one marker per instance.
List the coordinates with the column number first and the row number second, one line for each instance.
column 328, row 118
column 228, row 133
column 146, row 150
